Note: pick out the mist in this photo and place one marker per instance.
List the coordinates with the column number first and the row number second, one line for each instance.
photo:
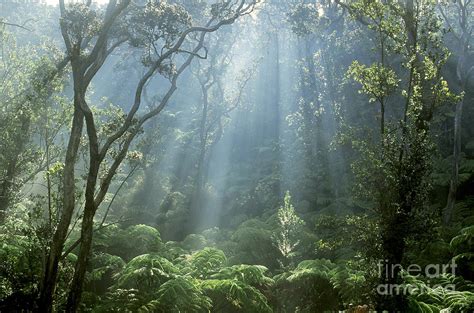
column 236, row 156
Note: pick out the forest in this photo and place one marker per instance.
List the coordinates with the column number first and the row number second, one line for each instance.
column 237, row 156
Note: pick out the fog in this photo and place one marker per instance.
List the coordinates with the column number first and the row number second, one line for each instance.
column 236, row 156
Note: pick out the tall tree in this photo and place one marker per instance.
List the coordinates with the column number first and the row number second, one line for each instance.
column 461, row 30
column 162, row 31
column 402, row 162
column 28, row 81
column 219, row 99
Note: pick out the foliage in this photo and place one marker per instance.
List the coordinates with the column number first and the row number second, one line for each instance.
column 194, row 242
column 282, row 101
column 440, row 296
column 19, row 268
column 308, row 288
column 255, row 245
column 234, row 296
column 145, row 272
column 305, row 19
column 377, row 81
column 159, row 23
column 182, row 294
column 207, row 261
column 104, row 264
column 130, row 242
column 142, row 238
column 290, row 229
column 462, row 246
column 81, row 21
column 253, row 275
column 345, row 237
column 32, row 114
column 23, row 238
column 352, row 281
column 463, row 242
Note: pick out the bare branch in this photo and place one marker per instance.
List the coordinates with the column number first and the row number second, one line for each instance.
column 16, row 25
column 203, row 57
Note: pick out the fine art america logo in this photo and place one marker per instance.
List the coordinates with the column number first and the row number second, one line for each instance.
column 389, row 271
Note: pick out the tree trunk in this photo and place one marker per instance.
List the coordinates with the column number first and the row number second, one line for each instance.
column 84, row 70
column 453, row 187
column 393, row 247
column 203, row 137
column 395, row 220
column 74, row 297
column 69, row 198
column 75, row 293
column 462, row 74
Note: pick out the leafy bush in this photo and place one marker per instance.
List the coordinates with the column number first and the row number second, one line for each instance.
column 20, row 266
column 194, row 242
column 308, row 288
column 255, row 245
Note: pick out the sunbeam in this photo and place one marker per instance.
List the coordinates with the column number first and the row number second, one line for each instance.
column 236, row 156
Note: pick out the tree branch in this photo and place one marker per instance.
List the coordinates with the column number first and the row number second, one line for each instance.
column 16, row 25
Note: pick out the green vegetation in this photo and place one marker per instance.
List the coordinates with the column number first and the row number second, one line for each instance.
column 237, row 156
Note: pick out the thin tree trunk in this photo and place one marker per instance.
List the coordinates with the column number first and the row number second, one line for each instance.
column 203, row 136
column 463, row 75
column 75, row 293
column 454, row 183
column 90, row 206
column 52, row 262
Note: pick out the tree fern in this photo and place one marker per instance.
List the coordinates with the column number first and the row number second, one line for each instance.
column 442, row 296
column 146, row 271
column 466, row 237
column 207, row 261
column 104, row 263
column 463, row 247
column 182, row 294
column 130, row 242
column 230, row 295
column 462, row 214
column 351, row 283
column 253, row 275
column 121, row 300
